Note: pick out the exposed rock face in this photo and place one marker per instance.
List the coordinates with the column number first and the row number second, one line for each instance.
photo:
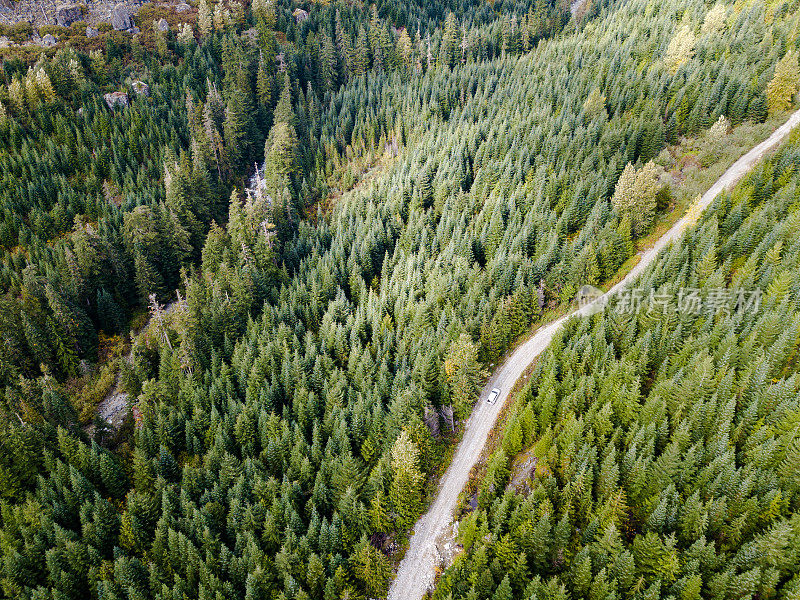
column 141, row 88
column 163, row 25
column 121, row 18
column 115, row 99
column 182, row 7
column 92, row 32
column 299, row 15
column 5, row 42
column 48, row 41
column 67, row 14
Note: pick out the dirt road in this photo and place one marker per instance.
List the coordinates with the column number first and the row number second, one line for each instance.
column 416, row 573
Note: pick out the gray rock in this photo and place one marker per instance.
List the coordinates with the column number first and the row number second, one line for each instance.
column 134, row 30
column 163, row 25
column 5, row 42
column 299, row 15
column 182, row 7
column 141, row 88
column 48, row 41
column 91, row 32
column 67, row 14
column 114, row 99
column 121, row 18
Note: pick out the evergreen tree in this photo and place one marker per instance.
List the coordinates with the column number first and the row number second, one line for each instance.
column 784, row 84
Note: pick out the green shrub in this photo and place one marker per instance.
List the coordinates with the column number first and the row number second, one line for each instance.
column 18, row 32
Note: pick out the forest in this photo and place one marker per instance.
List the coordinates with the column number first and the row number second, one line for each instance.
column 661, row 445
column 298, row 237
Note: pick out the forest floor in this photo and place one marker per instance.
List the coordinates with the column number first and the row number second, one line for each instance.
column 113, row 408
column 417, row 571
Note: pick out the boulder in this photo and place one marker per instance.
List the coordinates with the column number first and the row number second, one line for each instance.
column 67, row 14
column 5, row 42
column 114, row 99
column 121, row 18
column 48, row 41
column 163, row 25
column 299, row 15
column 91, row 32
column 141, row 88
column 182, row 7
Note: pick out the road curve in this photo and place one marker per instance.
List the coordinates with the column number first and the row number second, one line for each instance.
column 416, row 573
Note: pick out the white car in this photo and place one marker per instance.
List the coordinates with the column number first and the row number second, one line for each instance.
column 493, row 396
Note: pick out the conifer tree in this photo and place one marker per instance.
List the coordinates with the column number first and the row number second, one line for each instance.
column 205, row 17
column 464, row 374
column 407, row 480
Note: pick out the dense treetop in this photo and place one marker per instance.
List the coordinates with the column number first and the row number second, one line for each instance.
column 422, row 179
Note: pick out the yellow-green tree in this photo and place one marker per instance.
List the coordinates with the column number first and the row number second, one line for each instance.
column 406, row 489
column 680, row 49
column 635, row 196
column 784, row 83
column 205, row 18
column 371, row 568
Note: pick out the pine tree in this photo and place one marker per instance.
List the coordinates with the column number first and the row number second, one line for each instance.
column 186, row 35
column 406, row 489
column 464, row 374
column 371, row 568
column 281, row 148
column 238, row 129
column 504, row 591
column 379, row 514
column 205, row 18
column 714, row 22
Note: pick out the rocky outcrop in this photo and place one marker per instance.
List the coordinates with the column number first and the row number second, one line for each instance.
column 114, row 99
column 48, row 41
column 163, row 25
column 67, row 14
column 299, row 15
column 91, row 32
column 182, row 7
column 121, row 18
